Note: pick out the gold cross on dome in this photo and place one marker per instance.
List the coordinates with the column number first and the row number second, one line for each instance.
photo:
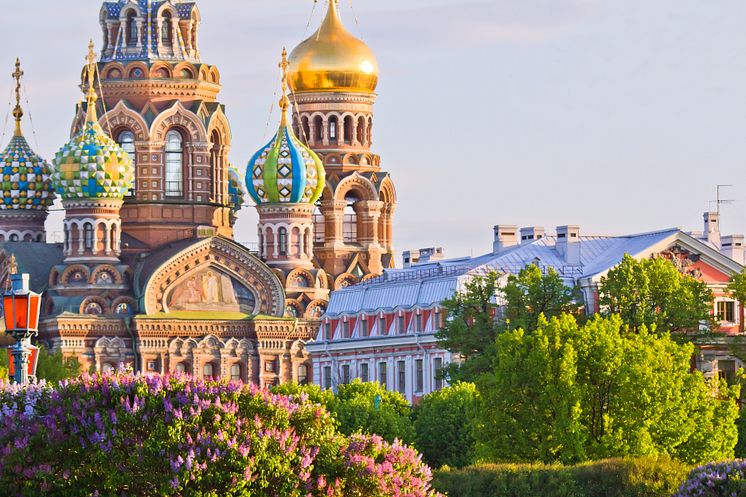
column 17, row 111
column 284, row 101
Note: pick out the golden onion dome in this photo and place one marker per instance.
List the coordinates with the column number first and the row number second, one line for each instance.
column 332, row 59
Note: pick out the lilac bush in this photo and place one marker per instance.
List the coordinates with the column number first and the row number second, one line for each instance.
column 724, row 479
column 120, row 434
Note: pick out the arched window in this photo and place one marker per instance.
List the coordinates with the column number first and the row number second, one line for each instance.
column 349, row 227
column 282, row 239
column 166, row 33
column 132, row 31
column 306, row 130
column 318, row 126
column 174, row 164
column 348, row 130
column 127, row 142
column 369, row 130
column 88, row 236
column 14, row 237
column 207, row 371
column 107, row 368
column 361, row 130
column 236, row 372
column 302, row 374
column 333, row 131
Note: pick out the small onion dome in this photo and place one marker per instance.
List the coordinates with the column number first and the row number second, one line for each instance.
column 235, row 189
column 92, row 165
column 332, row 59
column 285, row 170
column 26, row 177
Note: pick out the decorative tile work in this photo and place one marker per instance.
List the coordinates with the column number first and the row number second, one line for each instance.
column 285, row 171
column 26, row 178
column 92, row 165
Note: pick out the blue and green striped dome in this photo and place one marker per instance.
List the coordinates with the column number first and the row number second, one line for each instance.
column 285, row 171
column 26, row 182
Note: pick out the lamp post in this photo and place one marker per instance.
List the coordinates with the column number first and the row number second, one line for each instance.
column 21, row 309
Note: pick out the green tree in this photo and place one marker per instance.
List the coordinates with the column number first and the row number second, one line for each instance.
column 52, row 366
column 653, row 293
column 443, row 422
column 471, row 328
column 314, row 393
column 737, row 286
column 531, row 293
column 569, row 392
column 371, row 409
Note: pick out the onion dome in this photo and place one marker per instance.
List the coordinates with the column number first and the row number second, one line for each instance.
column 285, row 170
column 332, row 59
column 236, row 190
column 26, row 178
column 92, row 165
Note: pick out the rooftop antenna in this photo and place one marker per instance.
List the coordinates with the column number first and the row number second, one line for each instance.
column 721, row 201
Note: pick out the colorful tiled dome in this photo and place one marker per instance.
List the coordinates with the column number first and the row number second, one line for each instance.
column 235, row 188
column 285, row 170
column 26, row 181
column 92, row 165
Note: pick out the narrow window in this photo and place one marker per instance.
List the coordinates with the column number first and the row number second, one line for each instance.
column 364, row 373
column 345, row 329
column 166, row 34
column 282, row 238
column 327, row 331
column 401, row 369
column 400, row 325
column 327, row 377
column 236, row 372
column 382, row 331
column 419, row 323
column 302, row 374
column 127, row 142
column 132, row 34
column 88, row 237
column 207, row 371
column 345, row 374
column 174, row 164
column 364, row 327
column 419, row 375
column 438, row 373
column 333, row 129
column 383, row 375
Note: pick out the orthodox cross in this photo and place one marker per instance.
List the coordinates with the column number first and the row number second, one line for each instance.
column 18, row 112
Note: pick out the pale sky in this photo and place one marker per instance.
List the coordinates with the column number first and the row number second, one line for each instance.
column 617, row 115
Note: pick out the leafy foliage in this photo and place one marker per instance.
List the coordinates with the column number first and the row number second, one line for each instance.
column 630, row 477
column 471, row 328
column 531, row 294
column 443, row 421
column 131, row 435
column 52, row 366
column 737, row 286
column 569, row 393
column 653, row 293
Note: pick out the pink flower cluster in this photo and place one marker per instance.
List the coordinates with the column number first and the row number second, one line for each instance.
column 120, row 434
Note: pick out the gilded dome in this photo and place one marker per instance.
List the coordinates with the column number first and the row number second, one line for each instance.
column 92, row 165
column 285, row 170
column 332, row 59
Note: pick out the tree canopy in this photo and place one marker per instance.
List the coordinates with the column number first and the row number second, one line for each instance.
column 654, row 294
column 568, row 392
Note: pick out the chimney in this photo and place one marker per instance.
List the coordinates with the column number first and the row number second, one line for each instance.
column 532, row 233
column 712, row 228
column 505, row 236
column 422, row 256
column 733, row 246
column 568, row 244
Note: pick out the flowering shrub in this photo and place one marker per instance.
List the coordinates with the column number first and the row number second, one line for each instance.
column 121, row 434
column 725, row 479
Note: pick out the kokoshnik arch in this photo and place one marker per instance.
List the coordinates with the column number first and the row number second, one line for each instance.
column 149, row 274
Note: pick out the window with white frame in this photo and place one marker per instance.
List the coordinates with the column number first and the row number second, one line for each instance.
column 419, row 376
column 438, row 373
column 726, row 311
column 327, row 377
column 401, row 383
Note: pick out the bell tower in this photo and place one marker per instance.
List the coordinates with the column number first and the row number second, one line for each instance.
column 333, row 78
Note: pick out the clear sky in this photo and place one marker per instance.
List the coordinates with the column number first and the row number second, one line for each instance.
column 617, row 115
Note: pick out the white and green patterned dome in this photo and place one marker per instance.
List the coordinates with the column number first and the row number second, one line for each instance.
column 235, row 188
column 92, row 165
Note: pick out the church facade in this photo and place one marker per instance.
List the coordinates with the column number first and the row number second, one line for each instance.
column 149, row 274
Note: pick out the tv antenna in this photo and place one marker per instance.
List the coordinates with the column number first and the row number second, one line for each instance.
column 720, row 200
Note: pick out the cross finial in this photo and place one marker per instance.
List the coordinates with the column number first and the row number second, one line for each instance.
column 284, row 101
column 91, row 96
column 17, row 111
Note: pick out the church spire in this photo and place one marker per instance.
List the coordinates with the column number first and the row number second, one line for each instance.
column 284, row 100
column 91, row 96
column 18, row 111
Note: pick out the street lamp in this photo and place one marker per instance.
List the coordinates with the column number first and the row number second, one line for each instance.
column 21, row 309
